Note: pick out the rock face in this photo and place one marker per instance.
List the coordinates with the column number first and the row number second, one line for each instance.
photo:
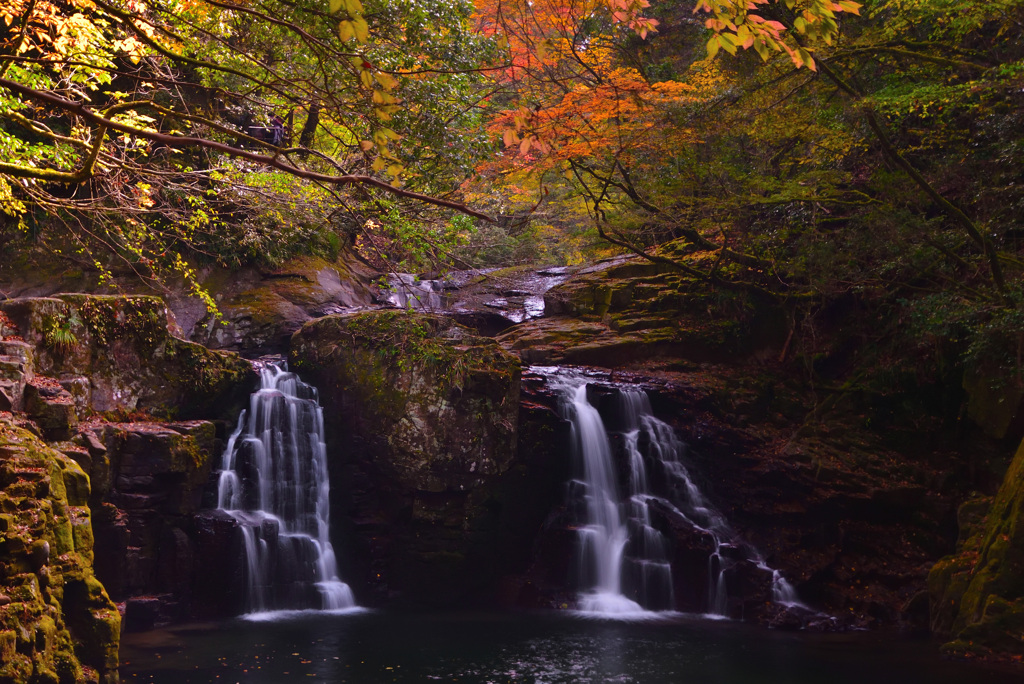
column 115, row 353
column 148, row 481
column 261, row 309
column 71, row 357
column 622, row 311
column 424, row 417
column 977, row 595
column 57, row 623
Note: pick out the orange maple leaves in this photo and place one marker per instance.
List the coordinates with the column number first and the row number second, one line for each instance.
column 572, row 96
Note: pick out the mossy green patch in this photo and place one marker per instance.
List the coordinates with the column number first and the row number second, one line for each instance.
column 46, row 551
column 978, row 595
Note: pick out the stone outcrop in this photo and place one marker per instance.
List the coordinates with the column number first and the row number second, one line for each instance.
column 423, row 417
column 977, row 595
column 261, row 309
column 116, row 354
column 148, row 481
column 624, row 310
column 57, row 623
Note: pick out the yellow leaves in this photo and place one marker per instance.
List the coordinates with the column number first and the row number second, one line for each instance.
column 355, row 26
column 132, row 47
column 736, row 25
column 362, row 29
column 143, row 193
column 346, row 31
column 387, row 81
column 381, row 97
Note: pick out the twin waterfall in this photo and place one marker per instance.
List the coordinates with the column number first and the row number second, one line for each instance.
column 624, row 562
column 274, row 482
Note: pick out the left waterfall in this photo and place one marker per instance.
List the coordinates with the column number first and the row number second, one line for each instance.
column 273, row 481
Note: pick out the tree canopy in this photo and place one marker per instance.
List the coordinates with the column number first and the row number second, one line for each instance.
column 160, row 131
column 799, row 149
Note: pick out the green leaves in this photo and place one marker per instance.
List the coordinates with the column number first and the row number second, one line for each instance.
column 738, row 24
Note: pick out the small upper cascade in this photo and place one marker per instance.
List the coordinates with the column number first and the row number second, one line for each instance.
column 408, row 291
column 625, row 559
column 273, row 481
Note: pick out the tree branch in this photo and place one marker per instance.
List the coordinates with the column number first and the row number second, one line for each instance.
column 185, row 142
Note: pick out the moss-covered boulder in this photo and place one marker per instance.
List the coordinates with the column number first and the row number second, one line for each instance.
column 977, row 595
column 114, row 353
column 57, row 623
column 425, row 415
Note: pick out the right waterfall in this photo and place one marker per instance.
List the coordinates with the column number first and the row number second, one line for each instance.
column 624, row 506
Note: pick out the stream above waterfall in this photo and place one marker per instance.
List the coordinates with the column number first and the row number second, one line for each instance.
column 534, row 649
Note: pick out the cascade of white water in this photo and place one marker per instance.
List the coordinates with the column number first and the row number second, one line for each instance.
column 647, row 562
column 604, row 535
column 624, row 560
column 669, row 452
column 273, row 481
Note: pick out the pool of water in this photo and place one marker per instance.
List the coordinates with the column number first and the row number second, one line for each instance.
column 472, row 648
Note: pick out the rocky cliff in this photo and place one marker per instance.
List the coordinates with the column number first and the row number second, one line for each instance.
column 423, row 418
column 98, row 498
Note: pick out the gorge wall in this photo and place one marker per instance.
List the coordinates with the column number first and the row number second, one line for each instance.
column 435, row 499
column 101, row 476
column 448, row 459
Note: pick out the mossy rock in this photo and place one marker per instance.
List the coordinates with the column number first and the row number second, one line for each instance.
column 977, row 596
column 440, row 400
column 45, row 554
column 117, row 354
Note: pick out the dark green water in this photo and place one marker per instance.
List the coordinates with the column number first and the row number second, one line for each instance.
column 381, row 647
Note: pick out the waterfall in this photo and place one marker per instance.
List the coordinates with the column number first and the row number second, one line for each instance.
column 624, row 562
column 603, row 538
column 273, row 481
